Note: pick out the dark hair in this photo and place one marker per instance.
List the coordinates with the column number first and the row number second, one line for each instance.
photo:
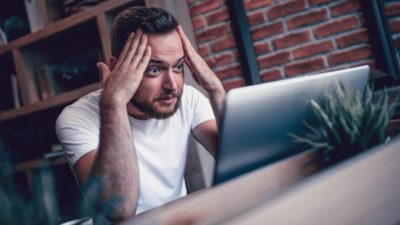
column 150, row 19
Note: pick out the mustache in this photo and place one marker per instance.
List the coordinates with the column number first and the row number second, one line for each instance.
column 168, row 94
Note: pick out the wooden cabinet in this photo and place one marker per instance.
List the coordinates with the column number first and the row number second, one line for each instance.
column 46, row 64
column 63, row 38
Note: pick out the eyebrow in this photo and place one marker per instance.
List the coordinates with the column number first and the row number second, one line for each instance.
column 156, row 61
column 181, row 59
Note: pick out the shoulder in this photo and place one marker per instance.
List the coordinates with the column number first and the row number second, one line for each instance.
column 84, row 111
column 89, row 103
column 196, row 105
column 191, row 91
column 192, row 96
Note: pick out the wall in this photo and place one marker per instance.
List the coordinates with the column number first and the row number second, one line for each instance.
column 393, row 12
column 290, row 37
column 215, row 40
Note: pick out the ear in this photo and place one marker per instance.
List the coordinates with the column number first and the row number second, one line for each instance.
column 111, row 65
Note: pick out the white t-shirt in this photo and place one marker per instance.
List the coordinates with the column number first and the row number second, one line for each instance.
column 161, row 144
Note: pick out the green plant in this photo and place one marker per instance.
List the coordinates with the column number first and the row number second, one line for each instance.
column 15, row 27
column 14, row 209
column 348, row 122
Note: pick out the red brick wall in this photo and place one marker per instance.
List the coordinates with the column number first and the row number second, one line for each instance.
column 305, row 36
column 393, row 14
column 291, row 38
column 215, row 40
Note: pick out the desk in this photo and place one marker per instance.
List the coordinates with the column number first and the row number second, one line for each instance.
column 232, row 197
column 362, row 190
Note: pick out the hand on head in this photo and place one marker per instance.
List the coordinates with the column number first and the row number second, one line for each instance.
column 201, row 72
column 123, row 80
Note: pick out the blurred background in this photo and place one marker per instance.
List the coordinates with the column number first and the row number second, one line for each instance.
column 48, row 51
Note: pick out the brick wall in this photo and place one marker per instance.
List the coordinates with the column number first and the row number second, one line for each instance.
column 393, row 13
column 215, row 40
column 290, row 37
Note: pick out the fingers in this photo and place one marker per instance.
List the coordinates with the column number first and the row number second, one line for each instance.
column 188, row 63
column 132, row 51
column 190, row 52
column 201, row 72
column 182, row 34
column 144, row 61
column 192, row 70
column 122, row 55
column 139, row 53
column 129, row 51
column 189, row 49
column 104, row 70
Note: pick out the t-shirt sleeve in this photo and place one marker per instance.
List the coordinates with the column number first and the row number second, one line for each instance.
column 201, row 106
column 78, row 132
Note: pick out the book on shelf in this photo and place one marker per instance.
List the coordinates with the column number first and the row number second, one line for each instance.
column 3, row 37
column 56, row 147
column 56, row 151
column 34, row 17
column 74, row 6
column 48, row 86
column 15, row 91
column 44, row 85
column 55, row 154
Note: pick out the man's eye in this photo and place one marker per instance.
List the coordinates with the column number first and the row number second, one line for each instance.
column 153, row 71
column 179, row 67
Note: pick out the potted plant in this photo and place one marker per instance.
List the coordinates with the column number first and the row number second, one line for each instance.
column 348, row 123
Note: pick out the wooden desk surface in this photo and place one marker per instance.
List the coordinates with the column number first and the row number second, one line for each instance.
column 233, row 196
column 364, row 190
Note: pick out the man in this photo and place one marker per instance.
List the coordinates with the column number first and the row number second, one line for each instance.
column 130, row 138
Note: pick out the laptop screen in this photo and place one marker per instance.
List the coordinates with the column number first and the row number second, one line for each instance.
column 258, row 119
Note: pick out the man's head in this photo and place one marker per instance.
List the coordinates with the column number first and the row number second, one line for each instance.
column 159, row 92
column 150, row 19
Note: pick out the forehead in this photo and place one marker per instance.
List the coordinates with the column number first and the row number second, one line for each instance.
column 166, row 47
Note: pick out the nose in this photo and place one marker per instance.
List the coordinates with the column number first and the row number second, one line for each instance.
column 169, row 82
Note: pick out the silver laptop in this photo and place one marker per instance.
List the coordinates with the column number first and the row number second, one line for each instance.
column 257, row 119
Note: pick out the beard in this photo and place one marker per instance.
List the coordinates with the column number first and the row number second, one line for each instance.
column 159, row 111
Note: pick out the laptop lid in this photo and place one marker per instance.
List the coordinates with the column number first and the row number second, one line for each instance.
column 257, row 119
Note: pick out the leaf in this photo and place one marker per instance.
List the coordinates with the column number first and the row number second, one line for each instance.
column 349, row 122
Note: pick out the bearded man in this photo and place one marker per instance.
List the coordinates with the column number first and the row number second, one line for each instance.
column 130, row 138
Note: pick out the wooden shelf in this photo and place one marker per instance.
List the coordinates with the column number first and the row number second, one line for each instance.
column 48, row 103
column 34, row 164
column 77, row 41
column 64, row 24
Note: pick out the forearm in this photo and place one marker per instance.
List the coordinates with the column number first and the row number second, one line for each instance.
column 217, row 98
column 207, row 132
column 116, row 167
